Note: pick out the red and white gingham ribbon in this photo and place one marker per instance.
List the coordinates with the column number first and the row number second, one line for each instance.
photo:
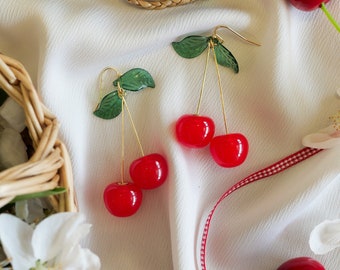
column 275, row 168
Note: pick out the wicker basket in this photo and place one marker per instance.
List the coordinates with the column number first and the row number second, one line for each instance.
column 49, row 166
column 159, row 4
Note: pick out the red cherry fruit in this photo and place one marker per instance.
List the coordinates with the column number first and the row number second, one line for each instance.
column 194, row 131
column 149, row 171
column 122, row 199
column 301, row 263
column 307, row 5
column 229, row 150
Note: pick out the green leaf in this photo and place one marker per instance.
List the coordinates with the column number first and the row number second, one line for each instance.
column 3, row 96
column 109, row 107
column 224, row 57
column 56, row 191
column 135, row 79
column 191, row 46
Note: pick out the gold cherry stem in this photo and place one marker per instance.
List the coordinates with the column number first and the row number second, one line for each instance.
column 133, row 127
column 121, row 94
column 203, row 82
column 122, row 164
column 220, row 89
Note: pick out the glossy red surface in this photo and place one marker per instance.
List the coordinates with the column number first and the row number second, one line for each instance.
column 229, row 150
column 122, row 200
column 194, row 131
column 307, row 5
column 301, row 263
column 150, row 171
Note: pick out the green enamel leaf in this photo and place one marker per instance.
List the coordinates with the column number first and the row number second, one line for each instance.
column 135, row 79
column 55, row 191
column 109, row 107
column 191, row 46
column 225, row 58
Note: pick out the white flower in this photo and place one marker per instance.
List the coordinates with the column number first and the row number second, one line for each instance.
column 53, row 244
column 326, row 138
column 325, row 237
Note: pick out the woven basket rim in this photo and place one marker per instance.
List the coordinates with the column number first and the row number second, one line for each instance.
column 50, row 164
column 156, row 5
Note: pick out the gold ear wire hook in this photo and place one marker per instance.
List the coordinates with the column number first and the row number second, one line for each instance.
column 235, row 33
column 101, row 79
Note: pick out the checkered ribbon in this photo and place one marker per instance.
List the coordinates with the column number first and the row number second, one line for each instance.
column 275, row 168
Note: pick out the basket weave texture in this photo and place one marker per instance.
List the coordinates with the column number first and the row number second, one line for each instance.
column 159, row 4
column 50, row 165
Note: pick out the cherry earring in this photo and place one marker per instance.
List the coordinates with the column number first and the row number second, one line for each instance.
column 196, row 131
column 123, row 198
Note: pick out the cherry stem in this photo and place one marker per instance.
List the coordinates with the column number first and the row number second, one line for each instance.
column 122, row 167
column 220, row 88
column 203, row 83
column 133, row 126
column 329, row 16
column 121, row 94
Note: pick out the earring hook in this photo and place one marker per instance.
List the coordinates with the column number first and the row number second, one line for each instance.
column 101, row 79
column 235, row 33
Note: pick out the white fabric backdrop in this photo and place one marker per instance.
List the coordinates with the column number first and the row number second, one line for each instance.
column 285, row 89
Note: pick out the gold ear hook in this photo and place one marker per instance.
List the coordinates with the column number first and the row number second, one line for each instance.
column 234, row 32
column 101, row 80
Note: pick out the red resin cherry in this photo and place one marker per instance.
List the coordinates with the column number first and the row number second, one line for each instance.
column 307, row 5
column 301, row 263
column 149, row 171
column 122, row 199
column 229, row 150
column 194, row 131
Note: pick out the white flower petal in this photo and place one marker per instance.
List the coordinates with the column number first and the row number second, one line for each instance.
column 79, row 259
column 325, row 237
column 51, row 234
column 323, row 139
column 15, row 236
column 47, row 239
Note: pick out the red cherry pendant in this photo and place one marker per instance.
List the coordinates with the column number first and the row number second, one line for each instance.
column 122, row 200
column 307, row 5
column 301, row 263
column 149, row 171
column 194, row 131
column 229, row 150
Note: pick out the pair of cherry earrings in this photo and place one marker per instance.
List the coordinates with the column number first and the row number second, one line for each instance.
column 122, row 198
column 197, row 131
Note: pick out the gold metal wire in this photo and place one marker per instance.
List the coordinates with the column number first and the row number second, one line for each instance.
column 211, row 47
column 121, row 94
column 234, row 32
column 122, row 161
column 203, row 83
column 101, row 80
column 220, row 89
column 133, row 127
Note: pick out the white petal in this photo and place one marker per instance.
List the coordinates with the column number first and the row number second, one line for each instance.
column 54, row 234
column 15, row 236
column 323, row 139
column 79, row 259
column 325, row 237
